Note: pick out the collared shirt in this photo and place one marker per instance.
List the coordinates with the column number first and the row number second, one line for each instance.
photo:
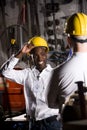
column 63, row 83
column 35, row 85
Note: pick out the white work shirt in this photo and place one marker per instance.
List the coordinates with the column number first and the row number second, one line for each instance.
column 63, row 84
column 35, row 84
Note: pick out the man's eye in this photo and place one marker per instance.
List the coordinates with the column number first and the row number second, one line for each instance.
column 43, row 54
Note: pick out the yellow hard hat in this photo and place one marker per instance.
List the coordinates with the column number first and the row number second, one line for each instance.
column 39, row 41
column 77, row 24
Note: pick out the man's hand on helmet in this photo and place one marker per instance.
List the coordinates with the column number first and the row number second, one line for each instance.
column 27, row 48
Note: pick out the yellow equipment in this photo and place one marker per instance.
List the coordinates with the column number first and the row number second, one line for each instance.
column 39, row 41
column 13, row 41
column 77, row 24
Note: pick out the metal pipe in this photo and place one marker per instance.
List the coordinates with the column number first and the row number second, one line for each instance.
column 82, row 100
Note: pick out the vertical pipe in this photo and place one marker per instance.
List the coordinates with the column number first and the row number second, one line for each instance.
column 82, row 100
column 54, row 27
column 28, row 18
column 80, row 5
column 21, row 36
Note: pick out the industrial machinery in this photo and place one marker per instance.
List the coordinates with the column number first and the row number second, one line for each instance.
column 12, row 102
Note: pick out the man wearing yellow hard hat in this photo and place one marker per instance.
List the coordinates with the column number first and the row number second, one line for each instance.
column 35, row 81
column 65, row 78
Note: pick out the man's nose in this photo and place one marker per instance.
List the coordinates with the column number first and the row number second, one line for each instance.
column 39, row 57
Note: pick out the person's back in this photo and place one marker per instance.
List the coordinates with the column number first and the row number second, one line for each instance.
column 63, row 82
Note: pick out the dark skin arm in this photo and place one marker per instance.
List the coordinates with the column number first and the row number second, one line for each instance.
column 26, row 49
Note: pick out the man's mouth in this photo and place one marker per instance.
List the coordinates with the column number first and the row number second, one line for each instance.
column 41, row 62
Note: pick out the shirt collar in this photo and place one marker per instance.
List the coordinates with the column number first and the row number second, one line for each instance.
column 48, row 68
column 36, row 72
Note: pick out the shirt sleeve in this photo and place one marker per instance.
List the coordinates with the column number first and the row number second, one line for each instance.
column 8, row 71
column 10, row 63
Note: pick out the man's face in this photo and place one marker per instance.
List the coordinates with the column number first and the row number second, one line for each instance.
column 40, row 58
